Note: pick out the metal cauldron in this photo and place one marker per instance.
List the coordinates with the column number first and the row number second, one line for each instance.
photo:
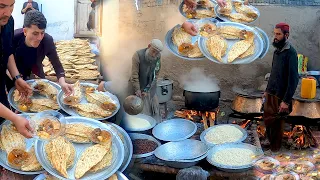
column 306, row 108
column 246, row 105
column 133, row 105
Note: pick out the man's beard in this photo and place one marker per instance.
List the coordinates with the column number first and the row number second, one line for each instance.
column 149, row 58
column 280, row 44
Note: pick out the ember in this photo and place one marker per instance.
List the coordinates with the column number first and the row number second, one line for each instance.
column 205, row 117
column 300, row 137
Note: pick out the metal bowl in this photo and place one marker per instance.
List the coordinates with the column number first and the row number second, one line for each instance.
column 134, row 136
column 130, row 122
column 188, row 149
column 174, row 130
column 184, row 163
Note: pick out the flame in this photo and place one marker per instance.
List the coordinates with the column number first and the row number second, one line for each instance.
column 195, row 115
column 301, row 137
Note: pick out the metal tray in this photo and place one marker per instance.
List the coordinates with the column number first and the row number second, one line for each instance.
column 257, row 40
column 3, row 154
column 120, row 176
column 35, row 96
column 226, row 19
column 258, row 152
column 184, row 14
column 203, row 134
column 188, row 149
column 117, row 150
column 174, row 130
column 72, row 112
column 276, row 165
column 127, row 143
column 174, row 49
column 266, row 41
column 134, row 136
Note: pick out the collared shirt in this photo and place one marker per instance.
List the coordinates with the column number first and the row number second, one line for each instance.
column 34, row 5
column 284, row 76
column 29, row 59
column 6, row 51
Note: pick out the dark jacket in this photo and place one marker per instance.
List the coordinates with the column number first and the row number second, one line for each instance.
column 284, row 75
column 6, row 51
column 30, row 59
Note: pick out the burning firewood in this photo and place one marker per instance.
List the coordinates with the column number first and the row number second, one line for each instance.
column 198, row 116
column 301, row 137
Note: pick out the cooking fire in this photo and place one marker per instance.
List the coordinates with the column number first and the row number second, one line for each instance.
column 208, row 118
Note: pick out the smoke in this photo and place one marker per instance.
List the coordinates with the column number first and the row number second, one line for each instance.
column 197, row 81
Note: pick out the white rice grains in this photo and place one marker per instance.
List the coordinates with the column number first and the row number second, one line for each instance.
column 223, row 134
column 233, row 157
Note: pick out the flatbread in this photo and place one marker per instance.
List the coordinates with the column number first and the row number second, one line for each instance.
column 88, row 114
column 245, row 10
column 231, row 32
column 242, row 17
column 38, row 108
column 86, row 66
column 105, row 162
column 1, row 145
column 98, row 98
column 74, row 98
column 12, row 139
column 79, row 129
column 216, row 46
column 237, row 49
column 89, row 158
column 227, row 9
column 78, row 139
column 49, row 90
column 249, row 52
column 204, row 13
column 51, row 104
column 179, row 36
column 92, row 108
column 195, row 52
column 32, row 163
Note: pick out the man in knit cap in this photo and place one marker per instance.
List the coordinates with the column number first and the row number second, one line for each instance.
column 145, row 67
column 281, row 86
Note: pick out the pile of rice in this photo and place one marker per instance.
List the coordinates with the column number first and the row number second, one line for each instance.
column 223, row 134
column 234, row 157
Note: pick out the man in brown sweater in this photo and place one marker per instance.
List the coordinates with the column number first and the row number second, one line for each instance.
column 146, row 65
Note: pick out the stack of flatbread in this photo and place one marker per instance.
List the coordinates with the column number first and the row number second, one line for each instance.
column 204, row 11
column 94, row 158
column 78, row 133
column 10, row 140
column 217, row 44
column 48, row 100
column 244, row 13
column 76, row 58
column 182, row 40
column 61, row 154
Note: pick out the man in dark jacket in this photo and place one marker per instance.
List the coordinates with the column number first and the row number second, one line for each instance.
column 281, row 86
column 31, row 45
column 28, row 6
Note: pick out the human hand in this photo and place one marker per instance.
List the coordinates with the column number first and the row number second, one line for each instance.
column 101, row 86
column 23, row 126
column 67, row 88
column 191, row 4
column 29, row 5
column 284, row 108
column 222, row 3
column 24, row 88
column 190, row 28
column 138, row 93
column 144, row 94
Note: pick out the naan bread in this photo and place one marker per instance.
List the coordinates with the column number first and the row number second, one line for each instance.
column 216, row 46
column 92, row 108
column 179, row 36
column 32, row 163
column 79, row 129
column 195, row 52
column 88, row 74
column 245, row 10
column 89, row 158
column 88, row 114
column 12, row 139
column 240, row 47
column 204, row 13
column 227, row 9
column 74, row 98
column 240, row 17
column 58, row 152
column 49, row 90
column 45, row 102
column 78, row 139
column 249, row 52
column 105, row 162
column 38, row 108
column 1, row 145
column 86, row 66
column 98, row 98
column 231, row 32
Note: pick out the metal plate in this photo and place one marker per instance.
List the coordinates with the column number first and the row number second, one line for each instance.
column 3, row 154
column 173, row 48
column 127, row 143
column 128, row 121
column 226, row 19
column 266, row 42
column 184, row 163
column 188, row 149
column 117, row 150
column 72, row 112
column 270, row 159
column 120, row 176
column 174, row 130
column 257, row 151
column 257, row 40
column 134, row 136
column 35, row 96
column 184, row 14
column 203, row 134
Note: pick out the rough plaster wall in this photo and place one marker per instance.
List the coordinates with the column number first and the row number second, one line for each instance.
column 137, row 28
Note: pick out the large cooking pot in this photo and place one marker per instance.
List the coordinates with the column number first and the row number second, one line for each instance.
column 247, row 104
column 306, row 108
column 202, row 101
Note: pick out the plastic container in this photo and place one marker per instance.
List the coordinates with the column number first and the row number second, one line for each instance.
column 308, row 88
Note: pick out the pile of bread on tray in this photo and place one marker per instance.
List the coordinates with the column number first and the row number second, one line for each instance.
column 76, row 58
column 244, row 13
